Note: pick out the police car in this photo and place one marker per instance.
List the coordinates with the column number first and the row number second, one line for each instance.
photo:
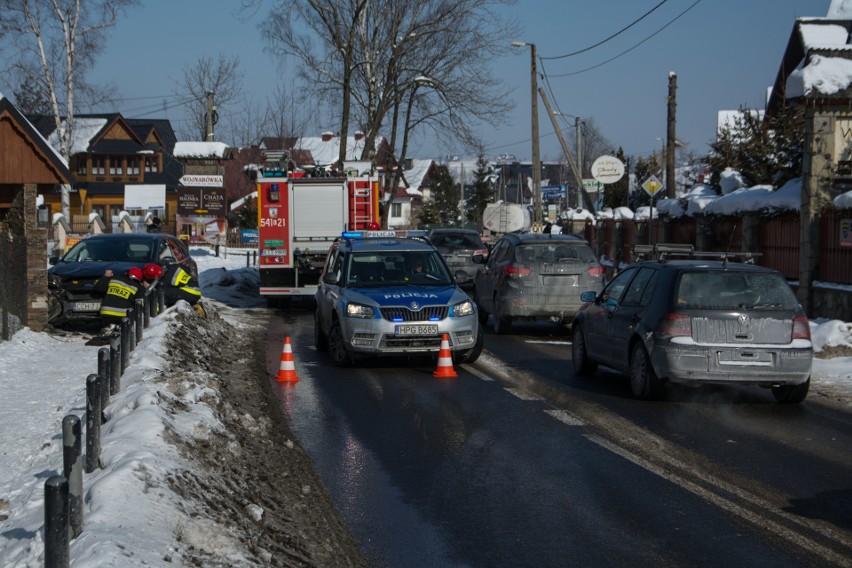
column 386, row 293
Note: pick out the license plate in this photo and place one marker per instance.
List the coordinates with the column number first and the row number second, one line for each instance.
column 273, row 252
column 568, row 280
column 417, row 329
column 85, row 306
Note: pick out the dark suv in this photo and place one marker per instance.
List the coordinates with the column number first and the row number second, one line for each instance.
column 535, row 277
column 696, row 321
column 458, row 247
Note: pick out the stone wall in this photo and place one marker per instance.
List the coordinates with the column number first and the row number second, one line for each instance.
column 23, row 263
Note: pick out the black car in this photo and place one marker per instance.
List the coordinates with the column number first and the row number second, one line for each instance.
column 535, row 277
column 71, row 277
column 458, row 246
column 696, row 321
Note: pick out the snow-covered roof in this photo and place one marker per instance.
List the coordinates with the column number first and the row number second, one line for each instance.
column 415, row 176
column 823, row 36
column 824, row 75
column 328, row 151
column 214, row 150
column 84, row 130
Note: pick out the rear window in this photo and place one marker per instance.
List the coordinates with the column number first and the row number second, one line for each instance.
column 555, row 252
column 458, row 240
column 730, row 290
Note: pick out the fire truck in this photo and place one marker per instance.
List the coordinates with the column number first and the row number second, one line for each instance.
column 298, row 219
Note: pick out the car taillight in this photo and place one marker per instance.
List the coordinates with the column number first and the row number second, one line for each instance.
column 674, row 325
column 515, row 271
column 597, row 271
column 801, row 329
column 483, row 252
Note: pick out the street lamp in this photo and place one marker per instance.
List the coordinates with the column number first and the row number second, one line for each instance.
column 536, row 166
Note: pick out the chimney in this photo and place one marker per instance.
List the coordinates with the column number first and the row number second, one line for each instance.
column 358, row 135
column 326, row 136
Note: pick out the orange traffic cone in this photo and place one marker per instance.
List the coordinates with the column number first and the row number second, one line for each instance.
column 445, row 360
column 287, row 371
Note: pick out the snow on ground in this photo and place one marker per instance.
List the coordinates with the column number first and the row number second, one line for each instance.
column 131, row 517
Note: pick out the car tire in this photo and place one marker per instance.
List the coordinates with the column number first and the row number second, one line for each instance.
column 337, row 346
column 502, row 323
column 583, row 366
column 643, row 380
column 473, row 354
column 320, row 338
column 791, row 394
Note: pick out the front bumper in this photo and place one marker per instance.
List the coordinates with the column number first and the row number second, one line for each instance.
column 378, row 336
column 734, row 364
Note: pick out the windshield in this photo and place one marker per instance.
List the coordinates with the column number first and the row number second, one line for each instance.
column 730, row 290
column 92, row 250
column 397, row 268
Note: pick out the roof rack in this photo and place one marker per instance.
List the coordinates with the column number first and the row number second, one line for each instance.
column 662, row 251
column 665, row 250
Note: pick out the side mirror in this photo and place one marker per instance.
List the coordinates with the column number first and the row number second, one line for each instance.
column 480, row 257
column 330, row 278
column 588, row 297
column 462, row 276
column 53, row 260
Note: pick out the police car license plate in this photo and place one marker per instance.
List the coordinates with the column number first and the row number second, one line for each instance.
column 417, row 329
column 85, row 306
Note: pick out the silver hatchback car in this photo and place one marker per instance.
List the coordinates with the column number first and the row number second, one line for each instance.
column 535, row 277
column 696, row 321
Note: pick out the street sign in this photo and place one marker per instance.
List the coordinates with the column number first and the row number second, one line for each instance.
column 553, row 191
column 652, row 186
column 591, row 185
column 608, row 169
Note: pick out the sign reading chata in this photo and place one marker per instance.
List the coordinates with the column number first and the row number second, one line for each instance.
column 207, row 201
column 195, row 180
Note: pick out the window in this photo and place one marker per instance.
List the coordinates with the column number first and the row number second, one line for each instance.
column 619, row 283
column 396, row 209
column 635, row 293
column 115, row 166
column 133, row 166
column 98, row 166
column 81, row 165
column 151, row 165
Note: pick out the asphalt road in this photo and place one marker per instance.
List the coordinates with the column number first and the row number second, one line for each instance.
column 518, row 463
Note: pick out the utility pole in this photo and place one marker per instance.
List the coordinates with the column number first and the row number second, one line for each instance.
column 536, row 160
column 565, row 150
column 578, row 124
column 671, row 140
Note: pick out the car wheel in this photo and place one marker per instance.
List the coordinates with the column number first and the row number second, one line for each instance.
column 337, row 346
column 643, row 380
column 320, row 338
column 502, row 322
column 791, row 394
column 580, row 354
column 473, row 354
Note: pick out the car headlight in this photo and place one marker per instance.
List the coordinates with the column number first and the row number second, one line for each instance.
column 359, row 311
column 54, row 281
column 463, row 309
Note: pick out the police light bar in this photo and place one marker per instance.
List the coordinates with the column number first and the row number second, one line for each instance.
column 382, row 234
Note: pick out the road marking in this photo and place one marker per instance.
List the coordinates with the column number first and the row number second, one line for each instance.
column 523, row 395
column 565, row 417
column 728, row 505
column 478, row 373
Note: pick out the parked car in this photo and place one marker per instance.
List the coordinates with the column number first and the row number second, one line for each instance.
column 71, row 277
column 696, row 321
column 535, row 277
column 458, row 247
column 381, row 294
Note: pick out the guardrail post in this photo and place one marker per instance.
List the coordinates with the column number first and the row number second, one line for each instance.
column 114, row 362
column 146, row 310
column 140, row 318
column 56, row 522
column 93, row 423
column 72, row 469
column 247, row 260
column 161, row 299
column 104, row 371
column 125, row 344
column 131, row 328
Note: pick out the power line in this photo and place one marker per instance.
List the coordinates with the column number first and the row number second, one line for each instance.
column 619, row 32
column 694, row 4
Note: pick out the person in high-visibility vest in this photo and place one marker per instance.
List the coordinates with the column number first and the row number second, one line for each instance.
column 120, row 293
column 183, row 286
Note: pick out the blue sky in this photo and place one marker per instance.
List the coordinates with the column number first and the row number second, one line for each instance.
column 725, row 53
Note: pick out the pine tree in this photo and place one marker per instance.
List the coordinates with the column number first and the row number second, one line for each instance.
column 31, row 100
column 483, row 192
column 442, row 209
column 615, row 194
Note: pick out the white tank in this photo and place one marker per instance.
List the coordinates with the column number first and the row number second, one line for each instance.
column 506, row 217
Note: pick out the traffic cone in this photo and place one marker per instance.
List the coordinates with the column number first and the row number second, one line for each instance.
column 445, row 360
column 287, row 371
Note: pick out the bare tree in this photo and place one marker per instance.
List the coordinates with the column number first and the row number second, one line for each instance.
column 222, row 77
column 55, row 43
